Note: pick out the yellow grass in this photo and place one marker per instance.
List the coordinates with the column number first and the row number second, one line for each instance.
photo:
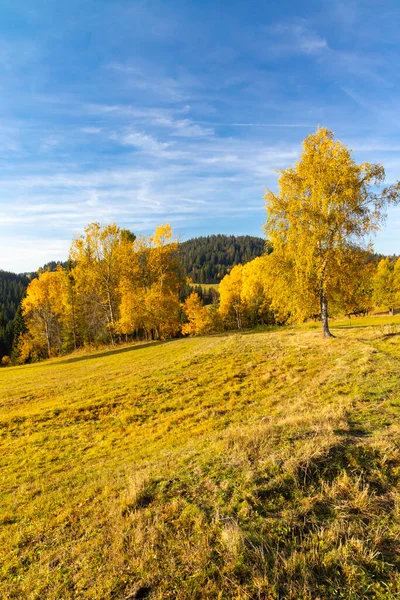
column 254, row 465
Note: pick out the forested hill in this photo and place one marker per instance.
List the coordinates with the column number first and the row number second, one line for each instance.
column 12, row 289
column 208, row 259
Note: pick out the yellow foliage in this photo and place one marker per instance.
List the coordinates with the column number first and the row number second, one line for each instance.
column 386, row 284
column 244, row 294
column 113, row 284
column 255, row 290
column 324, row 204
column 42, row 309
column 162, row 235
column 198, row 317
column 149, row 287
column 100, row 256
column 231, row 306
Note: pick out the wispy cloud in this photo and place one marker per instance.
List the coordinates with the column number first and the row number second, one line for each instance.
column 142, row 141
column 295, row 36
column 284, row 125
column 91, row 130
column 171, row 112
column 151, row 81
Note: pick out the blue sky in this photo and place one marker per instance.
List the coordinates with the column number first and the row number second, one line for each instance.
column 143, row 112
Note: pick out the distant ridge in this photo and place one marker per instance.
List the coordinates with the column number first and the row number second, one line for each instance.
column 12, row 290
column 209, row 258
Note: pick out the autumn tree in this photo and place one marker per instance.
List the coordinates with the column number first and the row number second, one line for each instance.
column 244, row 295
column 198, row 318
column 386, row 284
column 325, row 205
column 150, row 286
column 232, row 308
column 98, row 256
column 42, row 310
column 255, row 293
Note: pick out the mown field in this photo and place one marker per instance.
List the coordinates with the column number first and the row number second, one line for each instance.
column 261, row 465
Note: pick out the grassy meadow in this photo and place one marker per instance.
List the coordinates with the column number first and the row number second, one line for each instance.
column 206, row 286
column 262, row 465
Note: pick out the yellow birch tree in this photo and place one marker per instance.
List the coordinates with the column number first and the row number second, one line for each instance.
column 386, row 292
column 42, row 309
column 324, row 205
column 197, row 316
column 99, row 256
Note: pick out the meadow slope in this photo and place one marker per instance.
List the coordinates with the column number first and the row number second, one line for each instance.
column 259, row 465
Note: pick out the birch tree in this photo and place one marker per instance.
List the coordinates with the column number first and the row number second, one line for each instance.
column 324, row 205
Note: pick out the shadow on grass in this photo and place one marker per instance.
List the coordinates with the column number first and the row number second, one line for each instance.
column 390, row 335
column 99, row 354
column 333, row 326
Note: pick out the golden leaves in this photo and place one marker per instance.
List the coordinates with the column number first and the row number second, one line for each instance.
column 324, row 204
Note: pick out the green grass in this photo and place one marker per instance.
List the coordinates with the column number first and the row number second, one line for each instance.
column 206, row 286
column 261, row 465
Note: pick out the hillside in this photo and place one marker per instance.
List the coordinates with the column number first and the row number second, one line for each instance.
column 208, row 259
column 260, row 465
column 12, row 289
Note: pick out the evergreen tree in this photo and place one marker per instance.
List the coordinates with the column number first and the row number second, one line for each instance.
column 208, row 259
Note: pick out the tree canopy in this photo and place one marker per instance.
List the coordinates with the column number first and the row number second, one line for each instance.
column 325, row 205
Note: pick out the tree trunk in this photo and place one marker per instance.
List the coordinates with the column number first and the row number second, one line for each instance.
column 324, row 314
column 47, row 329
column 73, row 317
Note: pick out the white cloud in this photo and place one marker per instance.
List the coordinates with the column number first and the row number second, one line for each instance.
column 90, row 130
column 169, row 119
column 182, row 137
column 142, row 141
column 296, row 36
column 27, row 253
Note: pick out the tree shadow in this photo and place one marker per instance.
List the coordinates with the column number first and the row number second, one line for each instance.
column 390, row 335
column 332, row 326
column 99, row 354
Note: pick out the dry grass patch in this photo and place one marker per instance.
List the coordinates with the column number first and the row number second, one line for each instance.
column 263, row 465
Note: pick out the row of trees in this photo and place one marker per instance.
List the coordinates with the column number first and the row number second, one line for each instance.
column 113, row 286
column 319, row 224
column 253, row 294
column 99, row 300
column 204, row 260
